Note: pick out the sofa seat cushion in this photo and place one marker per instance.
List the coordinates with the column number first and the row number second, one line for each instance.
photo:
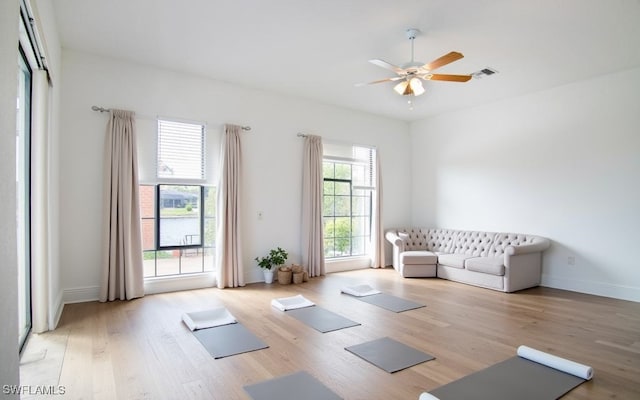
column 488, row 265
column 453, row 260
column 417, row 257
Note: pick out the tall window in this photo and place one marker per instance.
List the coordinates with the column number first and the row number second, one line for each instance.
column 349, row 177
column 178, row 217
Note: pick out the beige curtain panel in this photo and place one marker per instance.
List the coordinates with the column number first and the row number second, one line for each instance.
column 377, row 230
column 40, row 309
column 229, row 268
column 122, row 272
column 312, row 238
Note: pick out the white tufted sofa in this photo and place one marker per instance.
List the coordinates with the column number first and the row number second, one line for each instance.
column 495, row 260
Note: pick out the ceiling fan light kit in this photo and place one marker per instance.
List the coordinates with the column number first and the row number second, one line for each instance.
column 409, row 87
column 412, row 74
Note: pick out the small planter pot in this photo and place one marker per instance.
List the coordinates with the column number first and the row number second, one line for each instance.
column 268, row 276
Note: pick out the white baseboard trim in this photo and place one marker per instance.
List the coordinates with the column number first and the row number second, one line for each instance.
column 346, row 264
column 596, row 288
column 81, row 294
column 176, row 283
column 151, row 286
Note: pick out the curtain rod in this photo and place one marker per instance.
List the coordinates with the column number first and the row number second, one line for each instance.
column 340, row 142
column 34, row 35
column 102, row 109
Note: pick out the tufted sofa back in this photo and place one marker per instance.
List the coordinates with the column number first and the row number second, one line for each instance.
column 503, row 240
column 473, row 243
column 414, row 238
column 441, row 240
column 436, row 240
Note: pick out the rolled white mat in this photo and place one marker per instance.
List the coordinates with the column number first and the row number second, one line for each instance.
column 427, row 396
column 561, row 364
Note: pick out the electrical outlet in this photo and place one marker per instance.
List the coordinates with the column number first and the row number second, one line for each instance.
column 571, row 260
column 260, row 215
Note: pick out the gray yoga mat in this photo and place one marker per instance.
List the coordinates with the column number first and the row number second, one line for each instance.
column 391, row 303
column 296, row 386
column 388, row 354
column 514, row 378
column 320, row 319
column 228, row 340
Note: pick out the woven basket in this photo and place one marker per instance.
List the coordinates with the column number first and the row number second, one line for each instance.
column 297, row 277
column 284, row 275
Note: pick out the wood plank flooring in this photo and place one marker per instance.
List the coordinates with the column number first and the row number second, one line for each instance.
column 141, row 350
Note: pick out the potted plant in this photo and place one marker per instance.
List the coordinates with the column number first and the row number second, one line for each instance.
column 279, row 257
column 276, row 257
column 266, row 264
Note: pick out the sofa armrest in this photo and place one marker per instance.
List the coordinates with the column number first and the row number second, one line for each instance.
column 395, row 240
column 524, row 264
column 398, row 247
column 539, row 245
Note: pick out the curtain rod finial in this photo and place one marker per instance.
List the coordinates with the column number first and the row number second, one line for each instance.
column 101, row 109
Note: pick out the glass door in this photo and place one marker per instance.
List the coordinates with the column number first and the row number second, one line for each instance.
column 23, row 182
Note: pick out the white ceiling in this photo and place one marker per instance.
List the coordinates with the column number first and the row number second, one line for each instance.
column 319, row 49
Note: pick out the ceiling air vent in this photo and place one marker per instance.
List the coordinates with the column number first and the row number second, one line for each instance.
column 484, row 72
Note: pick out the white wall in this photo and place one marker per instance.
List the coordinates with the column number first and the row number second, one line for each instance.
column 562, row 163
column 272, row 153
column 9, row 375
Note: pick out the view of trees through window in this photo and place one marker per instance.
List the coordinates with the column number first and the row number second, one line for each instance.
column 179, row 215
column 178, row 228
column 347, row 201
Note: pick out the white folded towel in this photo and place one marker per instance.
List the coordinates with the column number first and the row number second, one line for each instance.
column 208, row 318
column 360, row 290
column 291, row 303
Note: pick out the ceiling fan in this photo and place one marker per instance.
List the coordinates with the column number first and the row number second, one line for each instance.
column 412, row 73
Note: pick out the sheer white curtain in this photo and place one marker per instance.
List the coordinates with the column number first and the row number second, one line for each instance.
column 312, row 182
column 122, row 272
column 377, row 230
column 40, row 261
column 229, row 269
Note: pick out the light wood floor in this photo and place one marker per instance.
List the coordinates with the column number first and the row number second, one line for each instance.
column 141, row 350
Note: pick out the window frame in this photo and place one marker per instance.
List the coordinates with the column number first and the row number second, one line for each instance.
column 366, row 235
column 204, row 249
column 158, row 208
column 23, row 183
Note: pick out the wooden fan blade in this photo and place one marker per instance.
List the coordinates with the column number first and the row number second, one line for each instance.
column 442, row 61
column 447, row 77
column 384, row 64
column 380, row 81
